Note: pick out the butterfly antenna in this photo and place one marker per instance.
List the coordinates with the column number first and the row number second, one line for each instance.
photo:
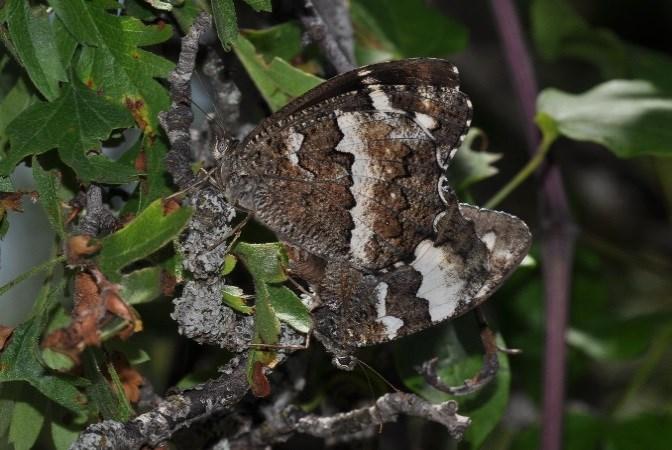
column 379, row 375
column 214, row 119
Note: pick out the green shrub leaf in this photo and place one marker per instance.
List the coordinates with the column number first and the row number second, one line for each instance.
column 278, row 81
column 470, row 165
column 111, row 61
column 75, row 123
column 630, row 118
column 147, row 233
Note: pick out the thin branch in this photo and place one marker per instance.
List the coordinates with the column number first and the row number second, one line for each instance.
column 557, row 246
column 386, row 409
column 98, row 218
column 177, row 120
column 320, row 34
column 176, row 412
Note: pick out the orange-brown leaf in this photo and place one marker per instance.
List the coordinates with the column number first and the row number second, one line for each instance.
column 260, row 384
column 5, row 333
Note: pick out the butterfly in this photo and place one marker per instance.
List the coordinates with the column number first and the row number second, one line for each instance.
column 351, row 176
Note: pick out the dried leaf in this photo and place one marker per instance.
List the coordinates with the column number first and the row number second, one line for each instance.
column 5, row 333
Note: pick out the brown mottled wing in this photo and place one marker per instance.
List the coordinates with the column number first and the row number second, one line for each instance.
column 447, row 278
column 352, row 175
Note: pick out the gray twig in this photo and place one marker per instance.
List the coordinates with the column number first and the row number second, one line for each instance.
column 98, row 219
column 557, row 246
column 177, row 120
column 176, row 412
column 319, row 32
column 386, row 409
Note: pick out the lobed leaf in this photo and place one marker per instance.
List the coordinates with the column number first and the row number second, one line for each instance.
column 32, row 36
column 47, row 184
column 630, row 118
column 74, row 123
column 111, row 61
column 470, row 165
column 147, row 233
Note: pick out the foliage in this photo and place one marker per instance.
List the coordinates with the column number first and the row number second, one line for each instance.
column 81, row 85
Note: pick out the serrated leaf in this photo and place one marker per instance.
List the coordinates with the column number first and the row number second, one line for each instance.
column 147, row 233
column 141, row 286
column 226, row 23
column 112, row 62
column 33, row 38
column 470, row 165
column 234, row 297
column 283, row 41
column 412, row 27
column 278, row 82
column 19, row 361
column 629, row 117
column 485, row 407
column 47, row 184
column 289, row 308
column 27, row 418
column 17, row 100
column 74, row 123
column 154, row 184
column 266, row 262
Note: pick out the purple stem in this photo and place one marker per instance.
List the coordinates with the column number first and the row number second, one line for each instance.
column 557, row 244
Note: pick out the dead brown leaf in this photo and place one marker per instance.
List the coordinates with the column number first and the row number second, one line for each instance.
column 5, row 333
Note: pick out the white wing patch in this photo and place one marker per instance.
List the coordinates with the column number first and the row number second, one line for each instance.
column 293, row 142
column 440, row 286
column 391, row 323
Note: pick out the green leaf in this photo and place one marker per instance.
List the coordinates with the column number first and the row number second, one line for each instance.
column 630, row 118
column 234, row 297
column 147, row 233
column 289, row 308
column 6, row 184
column 63, row 436
column 111, row 61
column 20, row 360
column 267, row 325
column 266, row 262
column 186, row 13
column 279, row 82
column 32, row 34
column 485, row 407
column 283, row 41
column 141, row 286
column 47, row 184
column 109, row 400
column 559, row 32
column 27, row 418
column 65, row 42
column 410, row 26
column 470, row 165
column 260, row 5
column 154, row 184
column 224, row 14
column 17, row 99
column 75, row 123
column 649, row 430
column 229, row 264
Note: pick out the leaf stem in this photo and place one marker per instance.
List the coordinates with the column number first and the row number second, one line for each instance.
column 527, row 170
column 29, row 273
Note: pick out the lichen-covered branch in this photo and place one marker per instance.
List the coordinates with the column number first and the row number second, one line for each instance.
column 172, row 414
column 341, row 426
column 98, row 219
column 319, row 32
column 177, row 120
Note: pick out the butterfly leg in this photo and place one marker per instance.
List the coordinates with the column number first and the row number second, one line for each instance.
column 488, row 371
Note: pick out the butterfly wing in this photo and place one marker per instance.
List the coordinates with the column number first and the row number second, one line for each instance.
column 351, row 170
column 475, row 250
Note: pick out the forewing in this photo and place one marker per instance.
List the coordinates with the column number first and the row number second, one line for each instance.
column 355, row 176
